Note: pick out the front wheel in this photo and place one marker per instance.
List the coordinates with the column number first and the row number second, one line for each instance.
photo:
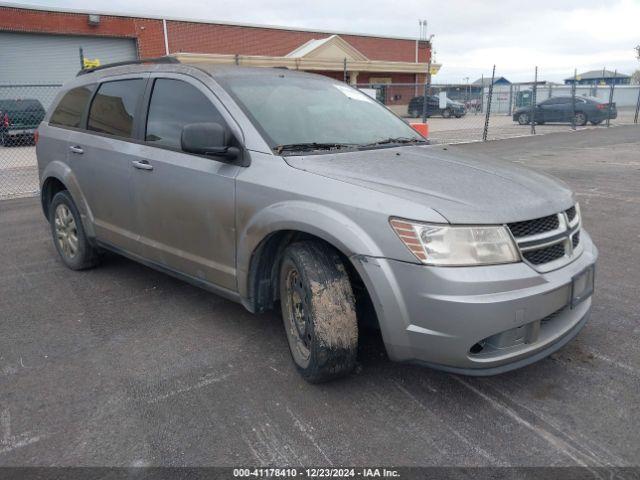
column 446, row 113
column 523, row 118
column 318, row 311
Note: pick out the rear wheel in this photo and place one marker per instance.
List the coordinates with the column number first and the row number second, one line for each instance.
column 596, row 122
column 318, row 311
column 68, row 234
column 580, row 119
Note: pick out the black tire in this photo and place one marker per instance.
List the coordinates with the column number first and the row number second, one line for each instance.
column 523, row 119
column 84, row 255
column 581, row 119
column 318, row 311
column 458, row 116
column 596, row 122
column 446, row 113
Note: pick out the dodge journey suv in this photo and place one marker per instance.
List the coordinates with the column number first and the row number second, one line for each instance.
column 282, row 189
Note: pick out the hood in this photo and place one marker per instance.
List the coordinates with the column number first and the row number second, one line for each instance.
column 462, row 187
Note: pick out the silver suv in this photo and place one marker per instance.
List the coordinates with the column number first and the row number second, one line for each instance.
column 275, row 187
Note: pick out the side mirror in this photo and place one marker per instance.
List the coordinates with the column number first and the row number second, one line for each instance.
column 208, row 139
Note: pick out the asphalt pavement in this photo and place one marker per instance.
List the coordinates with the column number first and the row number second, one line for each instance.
column 122, row 365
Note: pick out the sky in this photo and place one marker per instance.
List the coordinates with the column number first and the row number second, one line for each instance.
column 469, row 36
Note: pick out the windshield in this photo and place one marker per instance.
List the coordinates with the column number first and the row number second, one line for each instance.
column 292, row 109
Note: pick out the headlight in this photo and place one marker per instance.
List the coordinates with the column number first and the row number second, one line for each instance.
column 446, row 245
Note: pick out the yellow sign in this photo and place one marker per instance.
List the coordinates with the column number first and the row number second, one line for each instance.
column 88, row 63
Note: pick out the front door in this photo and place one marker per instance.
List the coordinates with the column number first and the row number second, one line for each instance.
column 185, row 204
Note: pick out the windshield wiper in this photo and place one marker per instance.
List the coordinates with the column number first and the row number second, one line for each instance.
column 394, row 140
column 302, row 147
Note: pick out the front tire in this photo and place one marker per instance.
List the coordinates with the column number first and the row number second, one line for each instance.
column 68, row 233
column 446, row 113
column 318, row 311
column 523, row 119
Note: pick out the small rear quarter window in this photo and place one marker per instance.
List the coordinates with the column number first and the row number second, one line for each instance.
column 69, row 111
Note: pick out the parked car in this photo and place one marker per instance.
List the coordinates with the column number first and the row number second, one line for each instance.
column 19, row 119
column 560, row 109
column 254, row 184
column 453, row 109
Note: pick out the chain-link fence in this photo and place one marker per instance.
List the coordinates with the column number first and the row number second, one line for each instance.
column 483, row 111
column 22, row 108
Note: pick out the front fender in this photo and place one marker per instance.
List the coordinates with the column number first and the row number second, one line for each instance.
column 61, row 171
column 312, row 218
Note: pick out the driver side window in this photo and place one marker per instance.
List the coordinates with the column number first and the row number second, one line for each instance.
column 174, row 104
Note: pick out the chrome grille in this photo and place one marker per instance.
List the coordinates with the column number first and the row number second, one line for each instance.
column 549, row 242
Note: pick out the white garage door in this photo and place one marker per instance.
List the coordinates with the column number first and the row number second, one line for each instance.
column 39, row 59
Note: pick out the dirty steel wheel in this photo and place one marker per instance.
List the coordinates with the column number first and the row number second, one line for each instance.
column 68, row 233
column 446, row 113
column 580, row 119
column 523, row 118
column 318, row 311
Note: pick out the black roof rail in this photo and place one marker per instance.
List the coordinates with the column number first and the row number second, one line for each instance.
column 166, row 59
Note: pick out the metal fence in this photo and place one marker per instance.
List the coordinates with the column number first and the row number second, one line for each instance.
column 454, row 113
column 22, row 108
column 458, row 113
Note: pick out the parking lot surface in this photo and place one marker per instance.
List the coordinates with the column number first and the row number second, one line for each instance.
column 122, row 365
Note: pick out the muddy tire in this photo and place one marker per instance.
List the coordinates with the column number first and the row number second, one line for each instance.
column 318, row 311
column 68, row 234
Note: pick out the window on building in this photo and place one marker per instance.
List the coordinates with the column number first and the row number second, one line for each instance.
column 114, row 107
column 69, row 111
column 173, row 105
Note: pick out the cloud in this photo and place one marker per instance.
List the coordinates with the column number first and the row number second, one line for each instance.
column 470, row 36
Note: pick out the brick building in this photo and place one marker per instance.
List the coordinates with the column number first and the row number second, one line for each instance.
column 46, row 46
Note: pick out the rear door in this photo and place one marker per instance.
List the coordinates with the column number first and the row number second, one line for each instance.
column 185, row 203
column 101, row 157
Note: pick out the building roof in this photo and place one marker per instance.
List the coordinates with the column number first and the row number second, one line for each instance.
column 486, row 81
column 598, row 74
column 332, row 47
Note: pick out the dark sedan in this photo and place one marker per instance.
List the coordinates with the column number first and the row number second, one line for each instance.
column 560, row 109
column 453, row 109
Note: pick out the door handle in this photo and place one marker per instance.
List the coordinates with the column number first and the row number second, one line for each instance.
column 76, row 149
column 142, row 165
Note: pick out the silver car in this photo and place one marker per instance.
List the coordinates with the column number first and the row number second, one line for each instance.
column 275, row 188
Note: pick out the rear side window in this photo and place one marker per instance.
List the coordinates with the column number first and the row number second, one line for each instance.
column 173, row 105
column 114, row 106
column 69, row 111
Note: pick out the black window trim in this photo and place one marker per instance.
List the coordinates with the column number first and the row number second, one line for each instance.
column 147, row 103
column 134, row 138
column 85, row 113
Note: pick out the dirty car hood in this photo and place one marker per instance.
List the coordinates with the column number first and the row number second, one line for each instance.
column 461, row 187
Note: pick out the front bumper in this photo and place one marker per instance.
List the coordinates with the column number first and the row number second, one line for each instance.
column 438, row 316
